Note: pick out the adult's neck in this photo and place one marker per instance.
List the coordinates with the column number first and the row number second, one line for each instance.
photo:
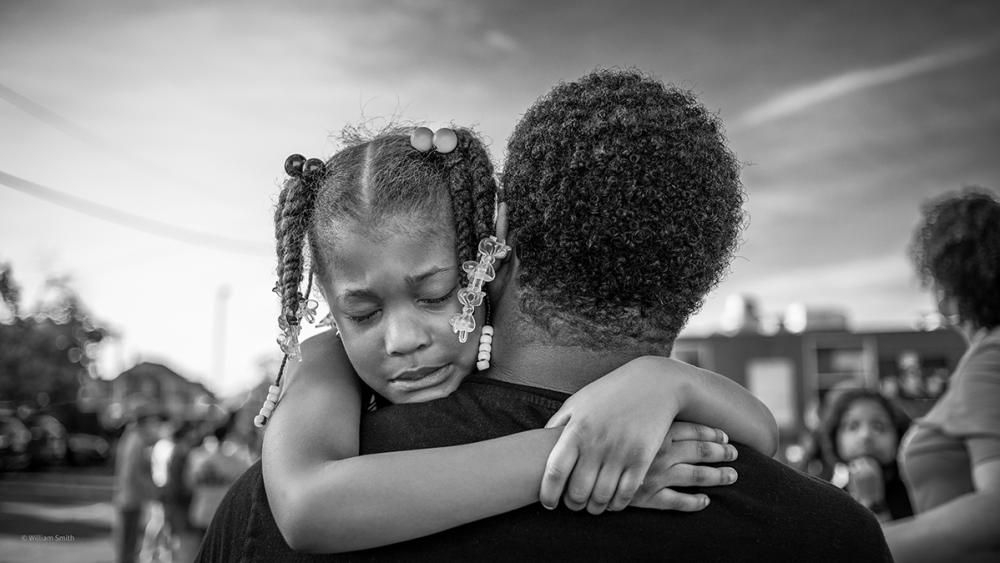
column 560, row 368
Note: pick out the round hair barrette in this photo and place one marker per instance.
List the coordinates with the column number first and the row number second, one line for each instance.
column 298, row 166
column 444, row 140
column 294, row 165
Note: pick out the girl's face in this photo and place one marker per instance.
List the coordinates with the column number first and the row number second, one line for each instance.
column 866, row 430
column 392, row 296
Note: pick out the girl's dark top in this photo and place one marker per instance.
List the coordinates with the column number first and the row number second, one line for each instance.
column 772, row 513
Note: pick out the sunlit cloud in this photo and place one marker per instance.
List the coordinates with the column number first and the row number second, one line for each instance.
column 501, row 41
column 804, row 97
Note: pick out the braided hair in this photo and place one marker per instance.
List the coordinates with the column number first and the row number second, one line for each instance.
column 625, row 209
column 372, row 182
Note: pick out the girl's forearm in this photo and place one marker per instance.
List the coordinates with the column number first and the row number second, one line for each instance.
column 373, row 500
column 715, row 400
column 964, row 529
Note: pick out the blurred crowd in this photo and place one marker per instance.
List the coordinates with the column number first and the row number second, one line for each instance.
column 170, row 476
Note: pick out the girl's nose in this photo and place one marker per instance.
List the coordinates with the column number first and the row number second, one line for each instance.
column 405, row 334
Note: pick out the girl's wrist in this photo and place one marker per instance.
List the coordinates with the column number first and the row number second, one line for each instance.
column 681, row 382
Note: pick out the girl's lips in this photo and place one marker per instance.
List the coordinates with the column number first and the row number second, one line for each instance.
column 422, row 378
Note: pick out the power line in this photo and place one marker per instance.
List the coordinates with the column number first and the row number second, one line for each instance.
column 72, row 129
column 130, row 220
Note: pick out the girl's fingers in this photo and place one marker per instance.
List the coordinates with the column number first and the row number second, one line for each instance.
column 667, row 499
column 680, row 431
column 558, row 468
column 561, row 418
column 687, row 475
column 581, row 482
column 628, row 486
column 690, row 451
column 604, row 489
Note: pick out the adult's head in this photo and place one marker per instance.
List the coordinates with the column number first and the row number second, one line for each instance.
column 149, row 418
column 956, row 251
column 862, row 422
column 625, row 207
column 387, row 226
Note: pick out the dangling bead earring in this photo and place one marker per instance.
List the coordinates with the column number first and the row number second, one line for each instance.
column 485, row 341
column 491, row 249
column 289, row 343
column 273, row 394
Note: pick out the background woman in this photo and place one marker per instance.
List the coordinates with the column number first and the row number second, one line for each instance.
column 951, row 457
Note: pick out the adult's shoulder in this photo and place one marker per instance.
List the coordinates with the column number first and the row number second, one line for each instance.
column 231, row 529
column 479, row 410
column 796, row 513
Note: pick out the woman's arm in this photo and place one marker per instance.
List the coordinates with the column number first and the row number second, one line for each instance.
column 964, row 529
column 615, row 425
column 326, row 498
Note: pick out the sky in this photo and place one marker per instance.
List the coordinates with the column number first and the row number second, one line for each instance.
column 142, row 143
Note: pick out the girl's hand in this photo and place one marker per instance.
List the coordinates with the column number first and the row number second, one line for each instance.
column 866, row 483
column 646, row 486
column 677, row 464
column 614, row 427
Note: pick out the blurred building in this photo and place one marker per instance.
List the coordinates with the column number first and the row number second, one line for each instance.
column 149, row 382
column 793, row 371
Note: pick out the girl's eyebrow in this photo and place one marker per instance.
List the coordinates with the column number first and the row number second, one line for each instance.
column 417, row 278
column 410, row 280
column 355, row 294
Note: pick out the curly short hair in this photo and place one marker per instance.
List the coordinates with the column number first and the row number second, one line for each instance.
column 830, row 426
column 956, row 248
column 625, row 207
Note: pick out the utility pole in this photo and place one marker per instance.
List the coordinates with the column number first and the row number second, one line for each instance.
column 219, row 334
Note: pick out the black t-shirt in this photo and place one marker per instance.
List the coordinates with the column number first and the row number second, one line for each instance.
column 772, row 513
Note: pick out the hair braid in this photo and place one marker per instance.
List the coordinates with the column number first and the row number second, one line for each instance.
column 484, row 189
column 459, row 186
column 291, row 221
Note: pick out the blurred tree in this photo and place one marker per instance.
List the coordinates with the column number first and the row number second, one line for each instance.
column 45, row 356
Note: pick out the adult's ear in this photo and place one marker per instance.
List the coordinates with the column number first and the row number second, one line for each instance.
column 505, row 282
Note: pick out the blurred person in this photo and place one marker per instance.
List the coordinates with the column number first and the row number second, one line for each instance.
column 134, row 487
column 211, row 468
column 177, row 495
column 911, row 376
column 860, row 436
column 951, row 456
column 157, row 538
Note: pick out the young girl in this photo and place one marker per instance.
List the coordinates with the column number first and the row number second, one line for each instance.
column 388, row 222
column 861, row 434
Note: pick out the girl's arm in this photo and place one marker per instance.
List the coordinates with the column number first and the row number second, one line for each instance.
column 614, row 425
column 326, row 498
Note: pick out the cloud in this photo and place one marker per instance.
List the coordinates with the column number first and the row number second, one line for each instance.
column 501, row 41
column 804, row 97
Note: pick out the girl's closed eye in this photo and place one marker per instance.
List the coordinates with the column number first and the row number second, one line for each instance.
column 442, row 299
column 363, row 317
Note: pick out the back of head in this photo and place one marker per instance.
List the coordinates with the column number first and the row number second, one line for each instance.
column 956, row 248
column 625, row 208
